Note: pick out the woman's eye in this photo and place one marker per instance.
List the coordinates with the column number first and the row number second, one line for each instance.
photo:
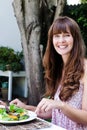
column 67, row 35
column 56, row 36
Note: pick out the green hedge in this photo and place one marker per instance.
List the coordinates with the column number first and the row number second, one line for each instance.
column 78, row 13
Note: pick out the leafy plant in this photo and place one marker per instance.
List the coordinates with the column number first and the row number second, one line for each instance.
column 9, row 59
column 77, row 12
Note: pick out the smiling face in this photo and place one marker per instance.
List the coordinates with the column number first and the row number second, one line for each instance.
column 63, row 43
column 63, row 37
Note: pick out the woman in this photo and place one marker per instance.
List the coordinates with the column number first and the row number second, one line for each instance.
column 66, row 77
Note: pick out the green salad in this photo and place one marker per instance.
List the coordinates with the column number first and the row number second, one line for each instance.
column 13, row 113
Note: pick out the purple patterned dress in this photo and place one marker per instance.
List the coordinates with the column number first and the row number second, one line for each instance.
column 60, row 119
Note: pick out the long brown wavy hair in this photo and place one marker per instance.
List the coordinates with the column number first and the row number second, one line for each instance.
column 53, row 63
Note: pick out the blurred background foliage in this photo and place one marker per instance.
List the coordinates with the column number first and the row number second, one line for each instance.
column 78, row 13
column 10, row 60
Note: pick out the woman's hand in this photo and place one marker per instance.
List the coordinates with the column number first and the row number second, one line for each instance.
column 2, row 103
column 18, row 103
column 47, row 105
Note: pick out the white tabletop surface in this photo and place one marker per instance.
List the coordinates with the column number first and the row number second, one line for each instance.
column 52, row 127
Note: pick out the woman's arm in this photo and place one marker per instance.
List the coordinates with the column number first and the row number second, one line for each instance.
column 2, row 103
column 44, row 115
column 79, row 116
column 19, row 103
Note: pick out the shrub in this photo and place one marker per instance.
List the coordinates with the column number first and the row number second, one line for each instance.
column 9, row 59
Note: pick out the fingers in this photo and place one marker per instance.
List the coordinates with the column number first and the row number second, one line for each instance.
column 18, row 103
column 2, row 103
column 15, row 101
column 43, row 106
column 39, row 106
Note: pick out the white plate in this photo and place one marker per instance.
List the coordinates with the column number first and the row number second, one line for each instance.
column 31, row 114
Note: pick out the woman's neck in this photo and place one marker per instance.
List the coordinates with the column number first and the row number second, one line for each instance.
column 65, row 58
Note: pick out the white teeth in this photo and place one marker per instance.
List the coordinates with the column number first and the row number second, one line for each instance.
column 62, row 47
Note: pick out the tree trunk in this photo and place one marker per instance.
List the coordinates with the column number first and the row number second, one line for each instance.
column 60, row 7
column 27, row 15
column 30, row 14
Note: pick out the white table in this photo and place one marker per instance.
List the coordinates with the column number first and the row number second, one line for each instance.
column 52, row 127
column 10, row 76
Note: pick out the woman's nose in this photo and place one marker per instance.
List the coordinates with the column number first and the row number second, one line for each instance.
column 61, row 39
